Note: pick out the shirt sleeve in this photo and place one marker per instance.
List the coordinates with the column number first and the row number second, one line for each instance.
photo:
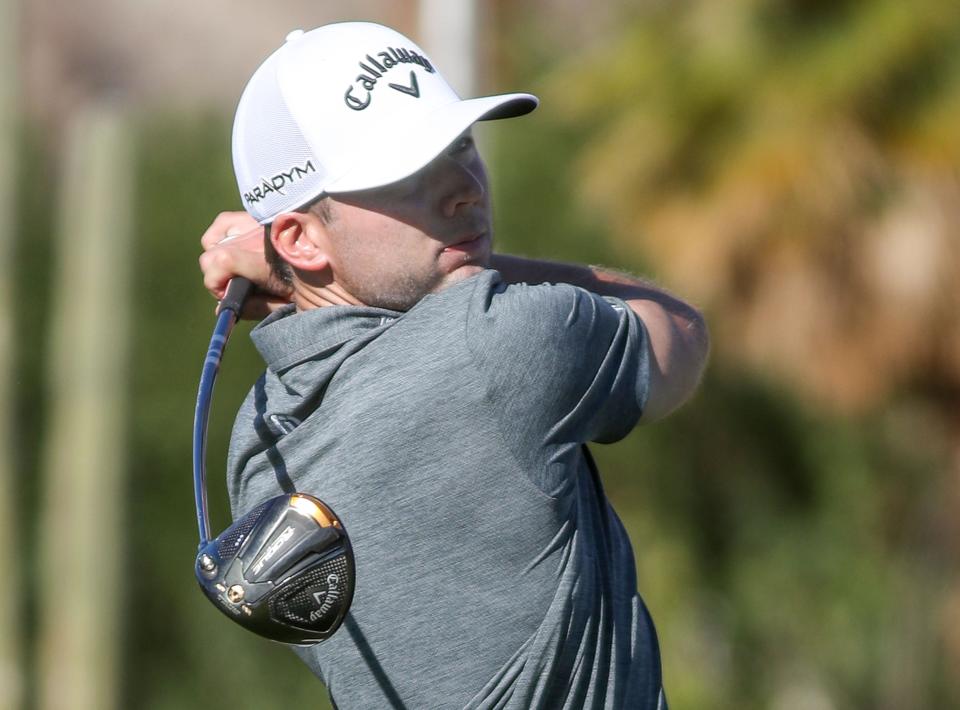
column 564, row 365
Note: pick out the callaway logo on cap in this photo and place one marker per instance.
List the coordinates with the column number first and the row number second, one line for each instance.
column 345, row 107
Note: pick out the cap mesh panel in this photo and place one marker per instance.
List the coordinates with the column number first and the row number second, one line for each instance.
column 267, row 144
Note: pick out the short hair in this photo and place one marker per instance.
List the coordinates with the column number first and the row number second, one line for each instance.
column 280, row 269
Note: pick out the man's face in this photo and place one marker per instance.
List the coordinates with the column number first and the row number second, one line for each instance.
column 392, row 245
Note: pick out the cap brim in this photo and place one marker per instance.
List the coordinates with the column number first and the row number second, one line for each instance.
column 408, row 148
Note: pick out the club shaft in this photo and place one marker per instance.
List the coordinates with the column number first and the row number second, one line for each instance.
column 237, row 290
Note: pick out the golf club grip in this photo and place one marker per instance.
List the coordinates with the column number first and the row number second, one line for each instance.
column 237, row 291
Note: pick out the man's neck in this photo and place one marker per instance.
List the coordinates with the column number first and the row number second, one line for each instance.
column 307, row 297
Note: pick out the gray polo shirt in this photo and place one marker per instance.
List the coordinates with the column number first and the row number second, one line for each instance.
column 492, row 571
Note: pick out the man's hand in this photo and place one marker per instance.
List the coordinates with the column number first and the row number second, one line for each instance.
column 233, row 246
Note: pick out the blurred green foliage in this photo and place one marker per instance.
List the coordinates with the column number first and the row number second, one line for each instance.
column 792, row 557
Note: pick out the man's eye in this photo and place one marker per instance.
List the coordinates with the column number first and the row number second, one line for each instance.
column 462, row 144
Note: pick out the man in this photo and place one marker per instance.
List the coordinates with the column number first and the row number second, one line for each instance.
column 437, row 402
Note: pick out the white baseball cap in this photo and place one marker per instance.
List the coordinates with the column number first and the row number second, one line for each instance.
column 348, row 106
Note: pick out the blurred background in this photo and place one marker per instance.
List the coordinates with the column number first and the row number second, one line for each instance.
column 791, row 166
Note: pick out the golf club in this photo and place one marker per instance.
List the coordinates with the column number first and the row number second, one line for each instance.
column 285, row 570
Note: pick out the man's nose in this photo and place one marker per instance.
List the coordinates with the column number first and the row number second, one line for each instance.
column 461, row 184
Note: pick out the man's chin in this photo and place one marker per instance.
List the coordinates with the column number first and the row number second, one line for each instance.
column 464, row 272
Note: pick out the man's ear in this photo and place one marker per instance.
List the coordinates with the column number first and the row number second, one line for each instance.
column 300, row 240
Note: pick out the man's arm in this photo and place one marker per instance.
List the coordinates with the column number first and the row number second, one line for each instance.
column 679, row 342
column 678, row 334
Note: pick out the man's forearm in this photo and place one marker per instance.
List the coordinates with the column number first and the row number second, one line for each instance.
column 603, row 282
column 679, row 342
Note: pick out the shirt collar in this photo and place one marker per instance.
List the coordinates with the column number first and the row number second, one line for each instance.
column 286, row 337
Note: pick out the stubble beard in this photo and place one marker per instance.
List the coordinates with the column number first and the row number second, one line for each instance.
column 403, row 292
column 406, row 286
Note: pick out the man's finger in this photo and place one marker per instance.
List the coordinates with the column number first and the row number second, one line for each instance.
column 228, row 223
column 238, row 236
column 257, row 306
column 221, row 265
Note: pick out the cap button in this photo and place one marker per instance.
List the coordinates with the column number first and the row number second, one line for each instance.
column 296, row 34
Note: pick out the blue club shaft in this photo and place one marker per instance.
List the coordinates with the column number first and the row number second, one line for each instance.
column 236, row 293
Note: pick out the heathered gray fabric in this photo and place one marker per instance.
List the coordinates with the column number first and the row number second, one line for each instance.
column 491, row 570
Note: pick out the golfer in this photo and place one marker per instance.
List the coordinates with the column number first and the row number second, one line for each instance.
column 438, row 395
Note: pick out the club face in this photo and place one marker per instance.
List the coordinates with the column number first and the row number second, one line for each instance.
column 285, row 570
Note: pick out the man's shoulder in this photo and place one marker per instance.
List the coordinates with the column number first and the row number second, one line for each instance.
column 487, row 294
column 529, row 305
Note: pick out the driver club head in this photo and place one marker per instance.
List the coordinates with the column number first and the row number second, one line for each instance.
column 285, row 570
